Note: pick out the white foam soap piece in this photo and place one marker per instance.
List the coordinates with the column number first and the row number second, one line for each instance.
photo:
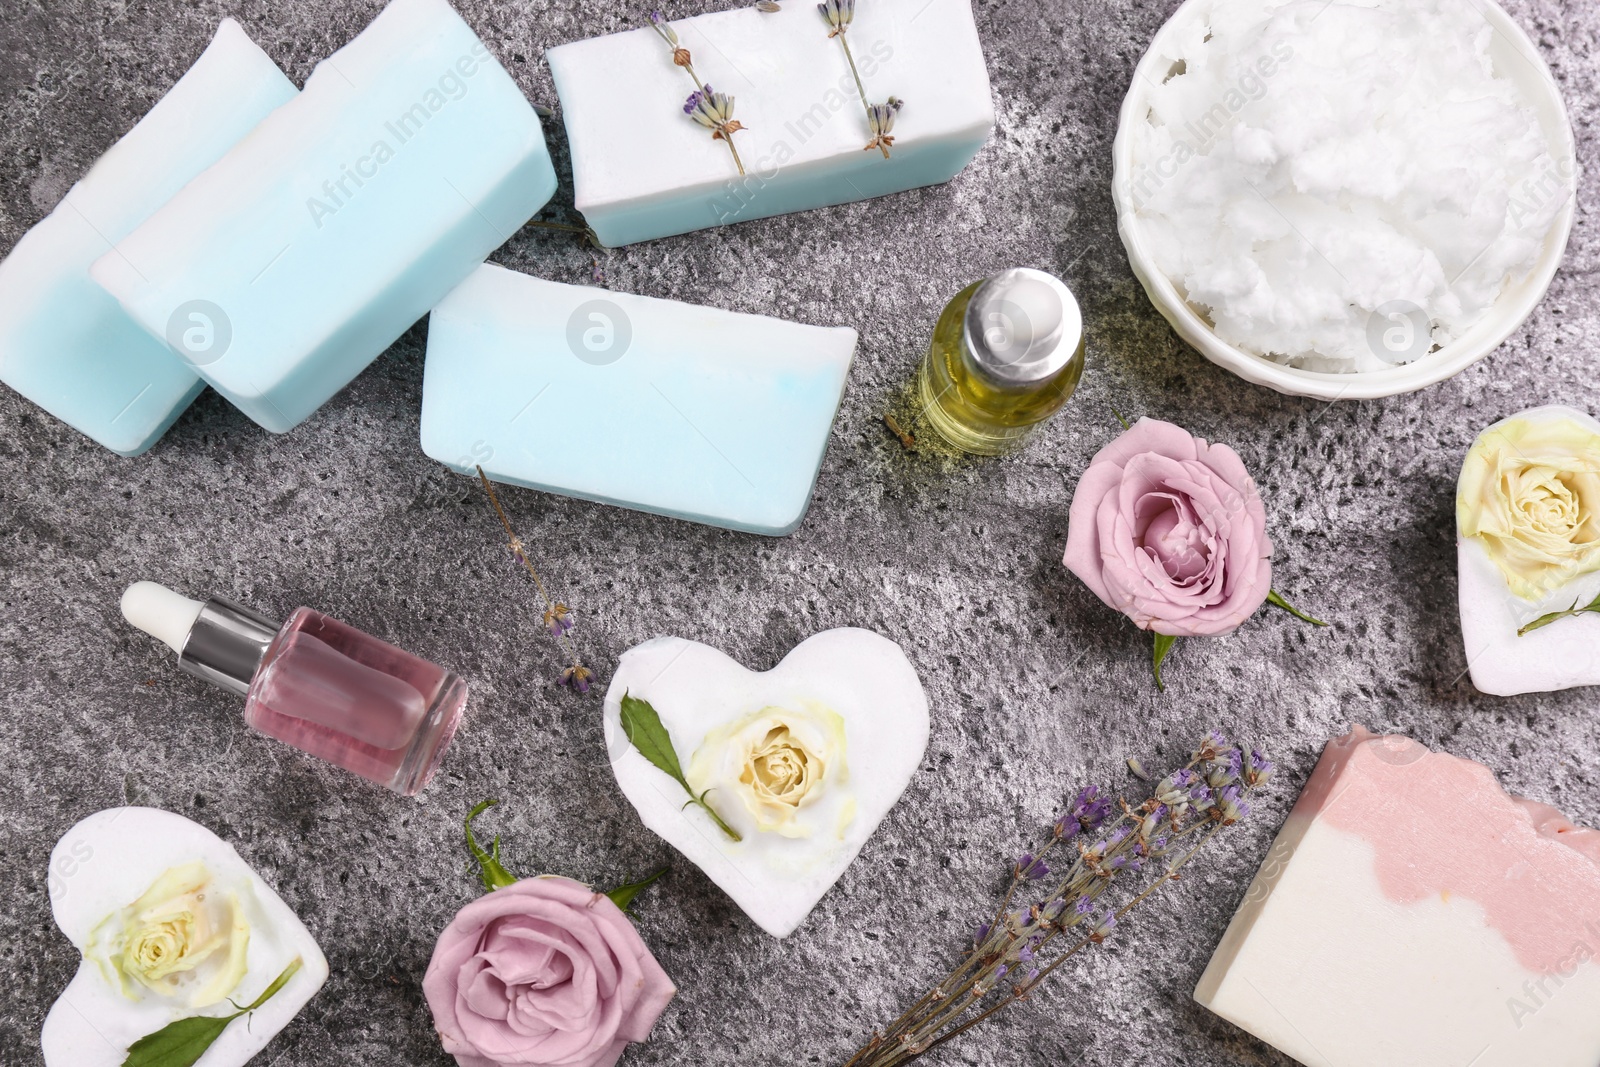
column 302, row 254
column 643, row 169
column 109, row 861
column 688, row 411
column 803, row 761
column 1562, row 654
column 65, row 344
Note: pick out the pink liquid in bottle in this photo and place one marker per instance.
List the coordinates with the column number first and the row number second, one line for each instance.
column 358, row 702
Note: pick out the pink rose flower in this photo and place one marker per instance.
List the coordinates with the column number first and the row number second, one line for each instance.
column 1171, row 532
column 544, row 972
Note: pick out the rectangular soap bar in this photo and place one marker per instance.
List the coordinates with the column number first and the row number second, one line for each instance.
column 702, row 414
column 643, row 169
column 1413, row 914
column 286, row 268
column 65, row 344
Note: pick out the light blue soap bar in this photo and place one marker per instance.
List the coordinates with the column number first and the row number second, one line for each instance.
column 693, row 412
column 65, row 344
column 643, row 169
column 285, row 269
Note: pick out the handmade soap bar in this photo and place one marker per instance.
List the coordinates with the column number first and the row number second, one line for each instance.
column 1412, row 913
column 643, row 169
column 802, row 761
column 1528, row 549
column 143, row 894
column 287, row 267
column 687, row 411
column 64, row 343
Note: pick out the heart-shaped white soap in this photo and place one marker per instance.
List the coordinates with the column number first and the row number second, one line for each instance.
column 1560, row 655
column 846, row 677
column 105, row 863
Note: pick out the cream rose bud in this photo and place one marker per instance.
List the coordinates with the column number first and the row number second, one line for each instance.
column 1530, row 492
column 785, row 768
column 185, row 939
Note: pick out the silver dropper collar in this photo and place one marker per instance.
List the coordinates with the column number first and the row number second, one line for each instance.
column 226, row 644
column 1022, row 328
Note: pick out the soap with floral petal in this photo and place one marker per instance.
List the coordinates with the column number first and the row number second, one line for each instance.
column 123, row 863
column 1527, row 546
column 802, row 761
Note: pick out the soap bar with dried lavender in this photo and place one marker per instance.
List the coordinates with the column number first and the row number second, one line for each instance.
column 657, row 405
column 648, row 162
column 64, row 343
column 291, row 264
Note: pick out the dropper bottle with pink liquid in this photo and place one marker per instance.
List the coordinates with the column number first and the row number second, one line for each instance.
column 314, row 682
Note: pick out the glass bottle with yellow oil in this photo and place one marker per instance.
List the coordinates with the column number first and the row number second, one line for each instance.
column 1007, row 352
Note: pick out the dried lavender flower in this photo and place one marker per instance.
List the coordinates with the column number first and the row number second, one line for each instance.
column 557, row 616
column 1257, row 769
column 558, row 620
column 576, row 677
column 1074, row 916
column 1032, row 869
column 880, row 120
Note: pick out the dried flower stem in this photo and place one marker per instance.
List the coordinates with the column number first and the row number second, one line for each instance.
column 556, row 617
column 1212, row 787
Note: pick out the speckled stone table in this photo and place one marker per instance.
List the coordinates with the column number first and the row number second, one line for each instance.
column 1035, row 686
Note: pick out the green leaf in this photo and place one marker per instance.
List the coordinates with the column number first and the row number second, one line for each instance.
column 1557, row 616
column 1163, row 645
column 1118, row 414
column 623, row 895
column 649, row 735
column 1277, row 601
column 182, row 1043
column 490, row 872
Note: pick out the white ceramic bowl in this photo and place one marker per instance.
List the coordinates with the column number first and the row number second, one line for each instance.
column 1515, row 56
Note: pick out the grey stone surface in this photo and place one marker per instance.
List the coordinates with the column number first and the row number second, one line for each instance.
column 957, row 560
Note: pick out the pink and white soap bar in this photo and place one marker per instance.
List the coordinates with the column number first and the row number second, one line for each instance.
column 1413, row 914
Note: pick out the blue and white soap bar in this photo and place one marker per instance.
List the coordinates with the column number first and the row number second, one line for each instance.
column 65, row 344
column 643, row 169
column 701, row 414
column 286, row 268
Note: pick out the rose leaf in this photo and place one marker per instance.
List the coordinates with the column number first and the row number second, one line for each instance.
column 648, row 734
column 1557, row 616
column 1163, row 645
column 1277, row 601
column 623, row 895
column 182, row 1043
column 490, row 872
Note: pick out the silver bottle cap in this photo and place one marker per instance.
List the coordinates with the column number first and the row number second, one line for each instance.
column 227, row 644
column 1023, row 327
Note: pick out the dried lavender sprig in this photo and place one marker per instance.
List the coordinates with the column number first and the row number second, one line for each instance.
column 557, row 616
column 839, row 14
column 1209, row 791
column 719, row 106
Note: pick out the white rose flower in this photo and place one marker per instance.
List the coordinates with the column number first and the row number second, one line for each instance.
column 1530, row 492
column 781, row 765
column 185, row 939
